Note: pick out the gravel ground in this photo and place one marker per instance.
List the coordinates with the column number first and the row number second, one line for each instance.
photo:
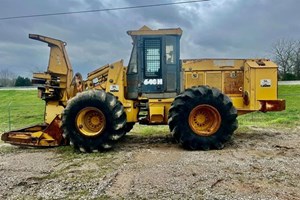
column 257, row 164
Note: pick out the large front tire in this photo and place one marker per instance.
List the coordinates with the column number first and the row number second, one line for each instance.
column 202, row 118
column 93, row 121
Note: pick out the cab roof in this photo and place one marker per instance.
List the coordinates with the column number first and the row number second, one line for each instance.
column 145, row 30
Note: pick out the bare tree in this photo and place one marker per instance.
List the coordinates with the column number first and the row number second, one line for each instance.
column 7, row 78
column 284, row 51
column 296, row 60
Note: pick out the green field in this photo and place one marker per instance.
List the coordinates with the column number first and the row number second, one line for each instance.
column 289, row 118
column 23, row 108
column 19, row 108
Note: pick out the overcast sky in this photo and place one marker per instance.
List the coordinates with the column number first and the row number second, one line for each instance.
column 214, row 29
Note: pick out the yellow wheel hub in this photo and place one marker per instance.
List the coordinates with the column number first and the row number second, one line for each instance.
column 90, row 121
column 204, row 120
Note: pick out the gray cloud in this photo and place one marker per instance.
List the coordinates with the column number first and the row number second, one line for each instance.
column 248, row 28
column 219, row 28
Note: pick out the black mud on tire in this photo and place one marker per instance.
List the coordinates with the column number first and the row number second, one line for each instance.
column 114, row 115
column 184, row 103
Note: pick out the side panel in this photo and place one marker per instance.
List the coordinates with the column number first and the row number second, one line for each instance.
column 261, row 83
column 233, row 82
column 250, row 83
column 112, row 79
column 266, row 83
column 214, row 79
column 159, row 110
column 193, row 78
column 116, row 85
column 52, row 109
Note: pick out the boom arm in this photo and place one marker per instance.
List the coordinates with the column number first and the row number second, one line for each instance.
column 57, row 79
column 55, row 88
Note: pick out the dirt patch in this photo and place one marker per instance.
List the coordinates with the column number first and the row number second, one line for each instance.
column 257, row 164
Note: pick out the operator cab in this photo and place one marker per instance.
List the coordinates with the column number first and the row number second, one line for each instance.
column 154, row 68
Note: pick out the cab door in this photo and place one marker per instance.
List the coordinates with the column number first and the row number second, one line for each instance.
column 152, row 76
column 171, row 65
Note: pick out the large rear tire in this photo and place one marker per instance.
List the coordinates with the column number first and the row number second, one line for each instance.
column 93, row 121
column 129, row 126
column 202, row 118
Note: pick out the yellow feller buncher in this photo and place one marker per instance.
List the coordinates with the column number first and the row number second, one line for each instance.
column 199, row 99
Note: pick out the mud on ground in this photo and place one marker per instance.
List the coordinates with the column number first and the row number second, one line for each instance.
column 258, row 163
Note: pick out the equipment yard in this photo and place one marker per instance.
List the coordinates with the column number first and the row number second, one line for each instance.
column 259, row 163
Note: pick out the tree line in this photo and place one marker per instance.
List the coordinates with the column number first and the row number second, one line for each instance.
column 287, row 56
column 9, row 79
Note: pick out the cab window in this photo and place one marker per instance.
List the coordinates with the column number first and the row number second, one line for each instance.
column 132, row 67
column 170, row 50
column 152, row 57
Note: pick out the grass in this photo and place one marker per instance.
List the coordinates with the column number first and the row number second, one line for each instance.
column 25, row 108
column 145, row 130
column 19, row 108
column 288, row 118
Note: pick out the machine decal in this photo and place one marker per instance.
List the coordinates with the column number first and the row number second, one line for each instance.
column 114, row 88
column 153, row 82
column 265, row 83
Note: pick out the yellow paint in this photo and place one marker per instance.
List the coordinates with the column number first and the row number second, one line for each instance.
column 112, row 78
column 238, row 102
column 255, row 71
column 159, row 109
column 52, row 109
column 59, row 66
column 193, row 78
column 204, row 120
column 90, row 121
column 156, row 114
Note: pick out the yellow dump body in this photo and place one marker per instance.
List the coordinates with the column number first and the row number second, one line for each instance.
column 250, row 83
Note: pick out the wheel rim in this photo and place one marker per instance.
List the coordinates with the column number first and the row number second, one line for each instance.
column 204, row 120
column 90, row 121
